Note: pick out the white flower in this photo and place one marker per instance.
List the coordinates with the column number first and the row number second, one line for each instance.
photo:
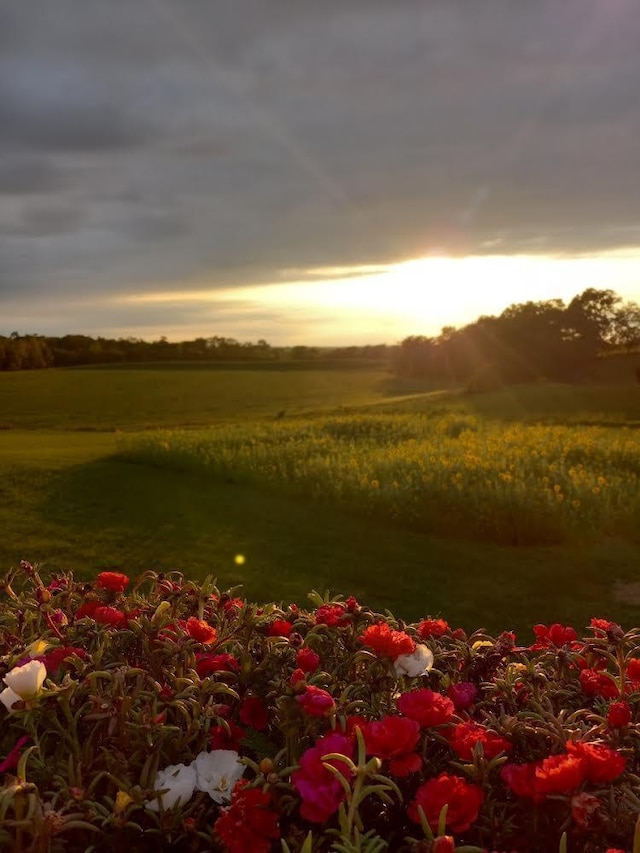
column 217, row 773
column 414, row 664
column 23, row 682
column 178, row 782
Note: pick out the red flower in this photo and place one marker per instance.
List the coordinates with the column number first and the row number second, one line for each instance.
column 386, row 642
column 113, row 581
column 334, row 615
column 110, row 616
column 316, row 702
column 320, row 791
column 633, row 670
column 391, row 736
column 200, row 631
column 560, row 774
column 207, row 663
column 279, row 628
column 553, row 635
column 610, row 628
column 596, row 683
column 521, row 779
column 426, row 707
column 254, row 713
column 432, row 628
column 55, row 659
column 463, row 695
column 87, row 609
column 584, row 808
column 249, row 823
column 602, row 764
column 619, row 715
column 227, row 737
column 13, row 757
column 463, row 801
column 465, row 736
column 352, row 604
column 298, row 679
column 307, row 660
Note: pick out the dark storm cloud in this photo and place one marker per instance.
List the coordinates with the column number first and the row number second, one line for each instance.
column 149, row 145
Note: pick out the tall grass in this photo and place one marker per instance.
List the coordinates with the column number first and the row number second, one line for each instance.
column 453, row 474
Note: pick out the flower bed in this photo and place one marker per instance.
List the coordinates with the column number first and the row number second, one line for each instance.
column 164, row 714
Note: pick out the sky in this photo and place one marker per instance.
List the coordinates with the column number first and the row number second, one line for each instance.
column 325, row 172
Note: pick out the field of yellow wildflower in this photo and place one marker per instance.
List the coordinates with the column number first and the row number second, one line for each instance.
column 455, row 473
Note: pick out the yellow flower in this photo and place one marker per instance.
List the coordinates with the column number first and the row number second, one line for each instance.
column 122, row 801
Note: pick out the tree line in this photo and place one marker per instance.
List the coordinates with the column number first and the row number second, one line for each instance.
column 529, row 341
column 28, row 352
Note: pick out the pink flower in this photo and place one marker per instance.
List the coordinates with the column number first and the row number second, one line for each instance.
column 316, row 702
column 463, row 695
column 320, row 791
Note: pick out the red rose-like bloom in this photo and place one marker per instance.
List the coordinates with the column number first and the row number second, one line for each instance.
column 56, row 658
column 394, row 738
column 298, row 679
column 464, row 801
column 249, row 823
column 465, row 736
column 463, row 695
column 601, row 763
column 222, row 737
column 254, row 713
column 87, row 609
column 432, row 628
column 316, row 702
column 110, row 616
column 596, row 683
column 280, row 628
column 426, row 707
column 307, row 660
column 553, row 635
column 200, row 631
column 206, row 663
column 333, row 615
column 521, row 779
column 619, row 715
column 113, row 581
column 560, row 774
column 633, row 670
column 386, row 642
column 584, row 808
column 13, row 756
column 320, row 791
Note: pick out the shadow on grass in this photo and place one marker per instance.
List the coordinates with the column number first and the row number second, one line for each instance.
column 114, row 514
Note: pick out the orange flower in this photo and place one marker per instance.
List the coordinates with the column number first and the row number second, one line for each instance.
column 200, row 631
column 386, row 642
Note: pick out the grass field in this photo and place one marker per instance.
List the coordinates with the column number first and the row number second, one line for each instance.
column 70, row 498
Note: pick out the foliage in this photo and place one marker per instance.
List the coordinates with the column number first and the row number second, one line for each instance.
column 527, row 342
column 516, row 484
column 152, row 684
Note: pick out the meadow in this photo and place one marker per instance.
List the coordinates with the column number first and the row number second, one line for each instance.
column 500, row 509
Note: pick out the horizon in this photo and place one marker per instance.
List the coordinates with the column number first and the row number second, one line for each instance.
column 339, row 173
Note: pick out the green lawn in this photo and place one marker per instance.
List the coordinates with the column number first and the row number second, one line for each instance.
column 68, row 501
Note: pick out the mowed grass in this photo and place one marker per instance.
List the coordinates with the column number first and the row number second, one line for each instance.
column 69, row 501
column 114, row 398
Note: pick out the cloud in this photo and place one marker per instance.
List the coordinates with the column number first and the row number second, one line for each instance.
column 151, row 146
